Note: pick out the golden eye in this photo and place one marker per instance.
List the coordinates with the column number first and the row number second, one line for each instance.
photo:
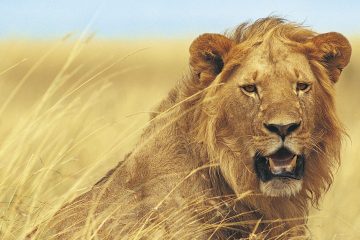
column 302, row 86
column 250, row 88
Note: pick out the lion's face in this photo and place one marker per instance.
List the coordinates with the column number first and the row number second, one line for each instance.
column 274, row 99
column 268, row 117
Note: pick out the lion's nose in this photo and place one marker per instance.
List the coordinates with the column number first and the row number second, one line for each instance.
column 282, row 129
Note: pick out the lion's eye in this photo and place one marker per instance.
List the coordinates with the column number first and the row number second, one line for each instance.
column 250, row 88
column 301, row 86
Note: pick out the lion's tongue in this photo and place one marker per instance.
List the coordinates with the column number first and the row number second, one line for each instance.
column 282, row 161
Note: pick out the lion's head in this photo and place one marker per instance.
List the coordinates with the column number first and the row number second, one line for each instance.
column 267, row 115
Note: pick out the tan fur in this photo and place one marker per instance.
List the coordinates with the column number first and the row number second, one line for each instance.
column 192, row 174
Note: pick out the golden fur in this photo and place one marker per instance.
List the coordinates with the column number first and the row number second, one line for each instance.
column 192, row 174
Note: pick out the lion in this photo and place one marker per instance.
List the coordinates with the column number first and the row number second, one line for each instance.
column 242, row 147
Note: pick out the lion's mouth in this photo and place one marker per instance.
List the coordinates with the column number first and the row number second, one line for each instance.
column 281, row 164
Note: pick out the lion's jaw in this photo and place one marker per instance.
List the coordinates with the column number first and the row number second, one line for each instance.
column 281, row 187
column 281, row 173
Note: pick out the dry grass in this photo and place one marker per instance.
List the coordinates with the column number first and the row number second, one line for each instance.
column 71, row 109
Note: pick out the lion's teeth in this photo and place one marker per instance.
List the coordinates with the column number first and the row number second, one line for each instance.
column 271, row 162
column 276, row 169
column 293, row 162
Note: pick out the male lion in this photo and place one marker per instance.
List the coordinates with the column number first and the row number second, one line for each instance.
column 241, row 148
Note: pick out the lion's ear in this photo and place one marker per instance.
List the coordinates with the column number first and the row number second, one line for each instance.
column 207, row 55
column 333, row 50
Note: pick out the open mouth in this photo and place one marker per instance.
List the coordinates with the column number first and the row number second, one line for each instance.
column 281, row 164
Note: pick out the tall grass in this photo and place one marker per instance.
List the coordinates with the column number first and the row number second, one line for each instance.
column 70, row 110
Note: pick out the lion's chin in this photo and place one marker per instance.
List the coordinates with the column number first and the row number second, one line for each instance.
column 281, row 187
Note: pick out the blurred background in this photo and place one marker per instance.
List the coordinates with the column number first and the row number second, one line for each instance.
column 78, row 78
column 165, row 19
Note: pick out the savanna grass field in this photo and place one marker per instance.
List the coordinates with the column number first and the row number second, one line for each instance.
column 70, row 109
